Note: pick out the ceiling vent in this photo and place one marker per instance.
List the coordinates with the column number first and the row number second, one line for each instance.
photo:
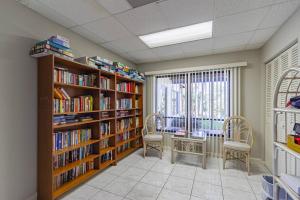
column 139, row 3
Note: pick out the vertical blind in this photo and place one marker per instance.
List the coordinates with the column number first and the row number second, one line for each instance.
column 195, row 101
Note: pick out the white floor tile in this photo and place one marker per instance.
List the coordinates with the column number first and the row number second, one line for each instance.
column 178, row 184
column 145, row 164
column 233, row 194
column 134, row 173
column 143, row 191
column 236, row 183
column 102, row 195
column 120, row 186
column 155, row 179
column 207, row 191
column 82, row 193
column 101, row 180
column 184, row 171
column 210, row 176
column 117, row 170
column 196, row 198
column 232, row 173
column 163, row 167
column 172, row 195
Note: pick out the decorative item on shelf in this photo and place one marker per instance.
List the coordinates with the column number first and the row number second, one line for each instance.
column 294, row 102
column 87, row 61
column 293, row 140
column 103, row 64
column 56, row 45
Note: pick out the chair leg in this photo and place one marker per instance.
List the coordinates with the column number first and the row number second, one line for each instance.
column 145, row 149
column 248, row 163
column 161, row 150
column 224, row 157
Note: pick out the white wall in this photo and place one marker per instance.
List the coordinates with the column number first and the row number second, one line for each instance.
column 287, row 34
column 251, row 86
column 19, row 29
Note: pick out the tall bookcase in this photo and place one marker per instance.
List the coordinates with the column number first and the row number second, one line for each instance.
column 118, row 140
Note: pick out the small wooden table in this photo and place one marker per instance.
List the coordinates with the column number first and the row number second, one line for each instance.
column 189, row 145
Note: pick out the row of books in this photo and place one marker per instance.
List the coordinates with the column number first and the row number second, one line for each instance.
column 122, row 137
column 63, row 75
column 123, row 147
column 104, row 143
column 105, row 128
column 72, row 174
column 104, row 102
column 57, row 45
column 124, row 124
column 137, row 122
column 124, row 103
column 64, row 159
column 123, row 113
column 125, row 86
column 65, row 119
column 107, row 156
column 69, row 138
column 104, row 82
column 64, row 103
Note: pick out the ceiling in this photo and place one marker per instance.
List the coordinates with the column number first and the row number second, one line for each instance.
column 114, row 24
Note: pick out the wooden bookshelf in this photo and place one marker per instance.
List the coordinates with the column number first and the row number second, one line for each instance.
column 94, row 160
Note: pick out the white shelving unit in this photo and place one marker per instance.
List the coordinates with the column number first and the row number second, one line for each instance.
column 288, row 86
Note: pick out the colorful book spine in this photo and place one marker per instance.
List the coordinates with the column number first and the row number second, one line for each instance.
column 124, row 124
column 107, row 156
column 62, row 75
column 72, row 174
column 63, row 103
column 104, row 82
column 66, row 139
column 125, row 103
column 105, row 128
column 125, row 87
column 66, row 158
column 104, row 102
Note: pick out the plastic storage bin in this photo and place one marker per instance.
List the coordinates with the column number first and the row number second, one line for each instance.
column 267, row 185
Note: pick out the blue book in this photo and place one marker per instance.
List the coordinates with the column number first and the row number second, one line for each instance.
column 59, row 42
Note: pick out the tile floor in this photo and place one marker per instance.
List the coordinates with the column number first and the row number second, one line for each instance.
column 136, row 178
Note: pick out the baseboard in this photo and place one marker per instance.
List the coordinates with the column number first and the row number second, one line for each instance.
column 32, row 197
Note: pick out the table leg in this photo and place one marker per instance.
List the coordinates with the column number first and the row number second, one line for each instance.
column 172, row 151
column 204, row 155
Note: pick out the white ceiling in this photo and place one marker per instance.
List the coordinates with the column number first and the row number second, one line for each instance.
column 237, row 24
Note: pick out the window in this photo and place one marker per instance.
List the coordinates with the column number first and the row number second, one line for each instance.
column 194, row 101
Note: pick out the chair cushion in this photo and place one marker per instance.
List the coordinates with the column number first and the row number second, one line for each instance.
column 153, row 138
column 239, row 146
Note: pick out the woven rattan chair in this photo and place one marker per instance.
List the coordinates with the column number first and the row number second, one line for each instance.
column 153, row 133
column 238, row 140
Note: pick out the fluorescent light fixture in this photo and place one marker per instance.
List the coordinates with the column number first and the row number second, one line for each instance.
column 178, row 35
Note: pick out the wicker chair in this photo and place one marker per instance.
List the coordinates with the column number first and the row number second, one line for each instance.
column 238, row 140
column 153, row 133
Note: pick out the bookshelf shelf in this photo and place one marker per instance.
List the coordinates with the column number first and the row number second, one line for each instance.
column 126, row 116
column 103, row 98
column 69, row 166
column 82, row 144
column 106, row 136
column 67, row 186
column 74, row 113
column 103, row 151
column 74, row 124
column 56, row 84
column 106, row 164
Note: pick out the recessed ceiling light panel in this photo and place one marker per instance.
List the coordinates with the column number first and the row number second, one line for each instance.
column 178, row 35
